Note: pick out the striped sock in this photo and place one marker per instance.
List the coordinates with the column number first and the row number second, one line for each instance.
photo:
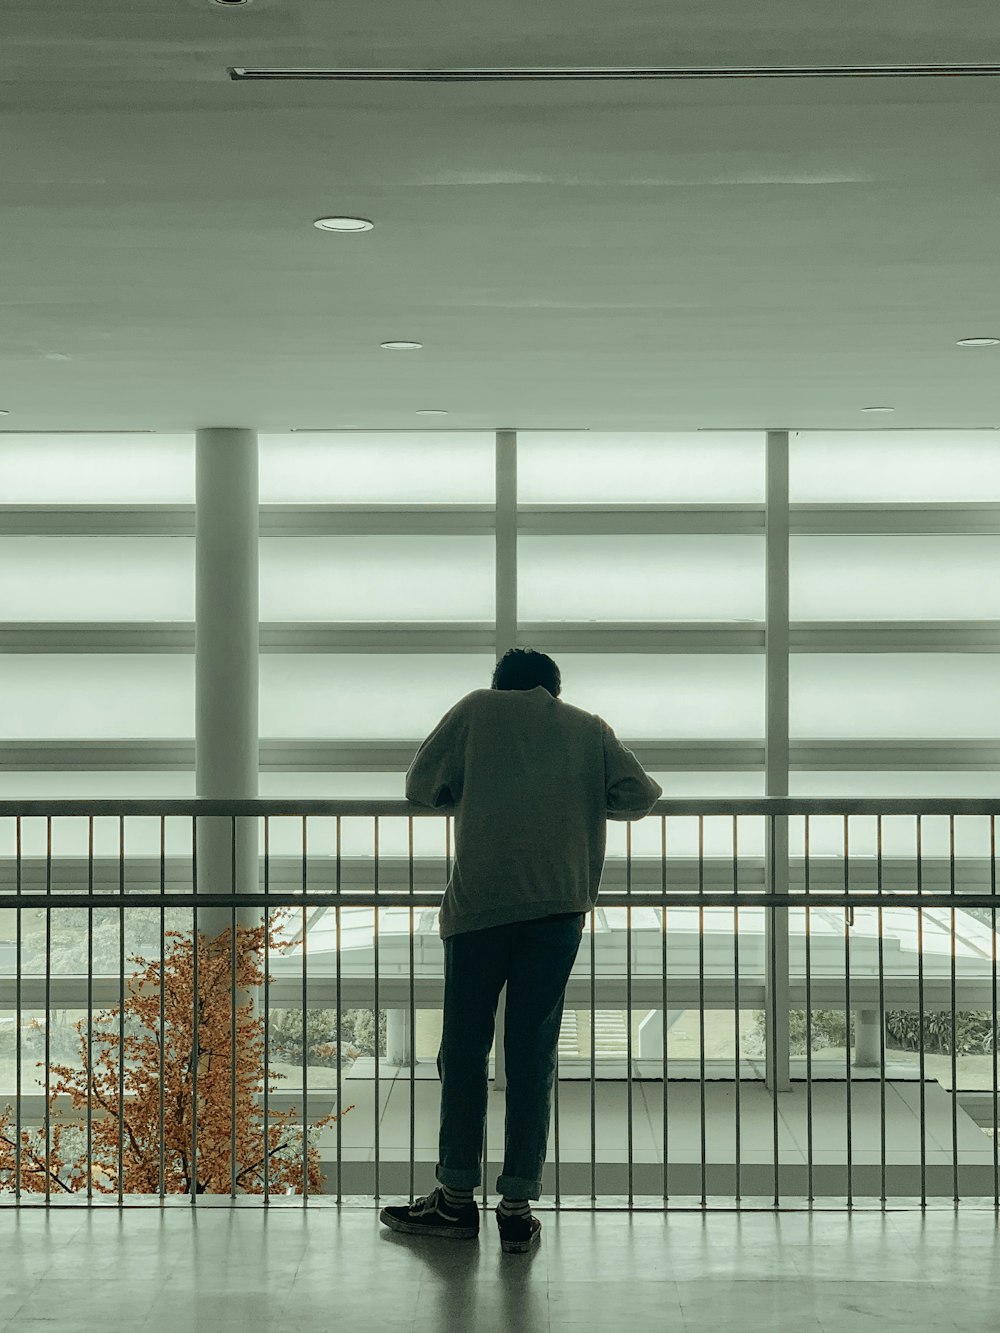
column 456, row 1197
column 514, row 1207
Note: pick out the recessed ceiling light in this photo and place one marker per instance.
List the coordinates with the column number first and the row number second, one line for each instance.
column 978, row 342
column 431, row 412
column 400, row 346
column 343, row 224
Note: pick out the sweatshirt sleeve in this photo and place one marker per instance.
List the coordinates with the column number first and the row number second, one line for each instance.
column 631, row 792
column 436, row 775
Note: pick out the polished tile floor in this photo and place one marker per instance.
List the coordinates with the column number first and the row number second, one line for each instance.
column 151, row 1270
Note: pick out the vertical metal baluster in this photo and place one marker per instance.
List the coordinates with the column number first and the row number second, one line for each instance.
column 232, row 1037
column 920, row 1007
column 848, row 922
column 121, row 1005
column 954, row 1036
column 736, row 975
column 340, row 1103
column 413, row 1025
column 377, row 1115
column 305, row 1024
column 267, row 1004
column 555, row 1117
column 628, row 1000
column 194, row 1001
column 18, row 1036
column 593, row 1060
column 809, row 1060
column 701, row 1000
column 881, row 1014
column 774, row 1008
column 163, row 927
column 663, row 960
column 90, row 1010
column 992, row 920
column 48, row 962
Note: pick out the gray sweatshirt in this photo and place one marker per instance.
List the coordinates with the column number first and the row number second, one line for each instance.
column 532, row 781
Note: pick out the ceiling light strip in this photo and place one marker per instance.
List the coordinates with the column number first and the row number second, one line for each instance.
column 513, row 75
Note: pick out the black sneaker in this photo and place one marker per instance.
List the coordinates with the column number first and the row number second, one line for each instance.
column 517, row 1233
column 434, row 1216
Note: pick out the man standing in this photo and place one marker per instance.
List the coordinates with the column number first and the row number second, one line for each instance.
column 532, row 781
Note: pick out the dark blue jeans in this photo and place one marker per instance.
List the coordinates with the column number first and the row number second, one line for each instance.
column 535, row 958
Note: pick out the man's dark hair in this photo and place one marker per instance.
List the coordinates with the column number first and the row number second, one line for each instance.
column 523, row 669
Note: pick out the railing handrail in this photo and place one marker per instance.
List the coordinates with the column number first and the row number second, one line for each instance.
column 715, row 805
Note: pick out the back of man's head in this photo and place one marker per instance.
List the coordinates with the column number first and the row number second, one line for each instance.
column 524, row 669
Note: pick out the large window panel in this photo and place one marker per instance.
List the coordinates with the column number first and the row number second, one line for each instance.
column 640, row 578
column 629, row 467
column 365, row 696
column 96, row 695
column 90, row 468
column 929, row 466
column 96, row 578
column 377, row 467
column 875, row 577
column 70, row 832
column 687, row 696
column 357, row 832
column 899, row 832
column 893, row 695
column 682, row 830
column 376, row 578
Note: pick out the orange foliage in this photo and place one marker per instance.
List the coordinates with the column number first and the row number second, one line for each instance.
column 141, row 1123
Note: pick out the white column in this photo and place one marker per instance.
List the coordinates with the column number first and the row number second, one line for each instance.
column 226, row 647
column 867, row 1047
column 399, row 1037
column 506, row 616
column 776, row 758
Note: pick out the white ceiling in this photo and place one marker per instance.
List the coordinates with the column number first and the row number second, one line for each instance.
column 638, row 255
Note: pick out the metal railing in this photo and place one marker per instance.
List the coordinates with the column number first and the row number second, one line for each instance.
column 759, row 885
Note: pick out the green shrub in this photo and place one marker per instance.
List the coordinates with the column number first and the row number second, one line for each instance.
column 973, row 1031
column 357, row 1035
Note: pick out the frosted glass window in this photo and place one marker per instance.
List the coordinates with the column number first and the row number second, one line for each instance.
column 863, row 577
column 934, row 466
column 640, row 578
column 377, row 578
column 332, row 787
column 69, row 832
column 96, row 695
column 679, row 785
column 74, row 785
column 893, row 695
column 907, row 783
column 899, row 836
column 96, row 578
column 668, row 696
column 682, row 830
column 356, row 832
column 624, row 467
column 374, row 696
column 90, row 468
column 378, row 467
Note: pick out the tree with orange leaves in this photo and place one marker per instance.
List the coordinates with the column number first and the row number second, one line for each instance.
column 174, row 1068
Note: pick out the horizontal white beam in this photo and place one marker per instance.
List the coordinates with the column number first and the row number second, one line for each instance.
column 826, row 873
column 735, row 636
column 358, row 992
column 395, row 756
column 479, row 519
